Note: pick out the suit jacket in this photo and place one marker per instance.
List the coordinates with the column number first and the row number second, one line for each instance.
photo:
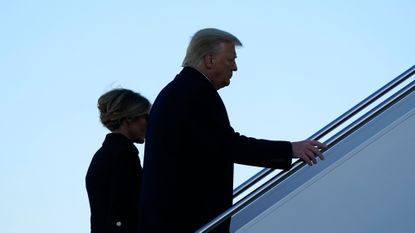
column 113, row 184
column 189, row 156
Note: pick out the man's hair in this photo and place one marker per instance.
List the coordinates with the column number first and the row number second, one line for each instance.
column 119, row 104
column 207, row 41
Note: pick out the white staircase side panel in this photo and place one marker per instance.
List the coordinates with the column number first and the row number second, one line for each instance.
column 366, row 184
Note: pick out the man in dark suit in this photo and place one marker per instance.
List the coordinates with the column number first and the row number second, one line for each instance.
column 191, row 147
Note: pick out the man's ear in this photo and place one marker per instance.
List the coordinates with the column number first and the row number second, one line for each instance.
column 208, row 61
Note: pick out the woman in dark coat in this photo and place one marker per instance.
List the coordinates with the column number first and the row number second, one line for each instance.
column 113, row 179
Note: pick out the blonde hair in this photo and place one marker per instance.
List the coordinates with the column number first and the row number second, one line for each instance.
column 119, row 104
column 207, row 41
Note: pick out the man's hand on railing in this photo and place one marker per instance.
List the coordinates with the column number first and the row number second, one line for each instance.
column 308, row 150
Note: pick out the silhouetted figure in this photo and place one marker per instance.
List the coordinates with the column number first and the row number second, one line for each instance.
column 113, row 179
column 191, row 147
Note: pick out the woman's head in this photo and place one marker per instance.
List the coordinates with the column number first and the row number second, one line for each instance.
column 124, row 111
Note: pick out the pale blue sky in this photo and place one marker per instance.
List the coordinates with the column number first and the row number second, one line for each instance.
column 303, row 64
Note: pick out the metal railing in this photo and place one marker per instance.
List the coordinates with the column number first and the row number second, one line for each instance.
column 317, row 136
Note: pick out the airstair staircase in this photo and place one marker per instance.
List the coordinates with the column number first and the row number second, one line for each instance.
column 365, row 184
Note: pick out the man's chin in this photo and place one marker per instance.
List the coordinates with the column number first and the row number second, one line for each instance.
column 224, row 85
column 139, row 140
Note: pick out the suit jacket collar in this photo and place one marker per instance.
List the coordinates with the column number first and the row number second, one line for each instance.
column 189, row 71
